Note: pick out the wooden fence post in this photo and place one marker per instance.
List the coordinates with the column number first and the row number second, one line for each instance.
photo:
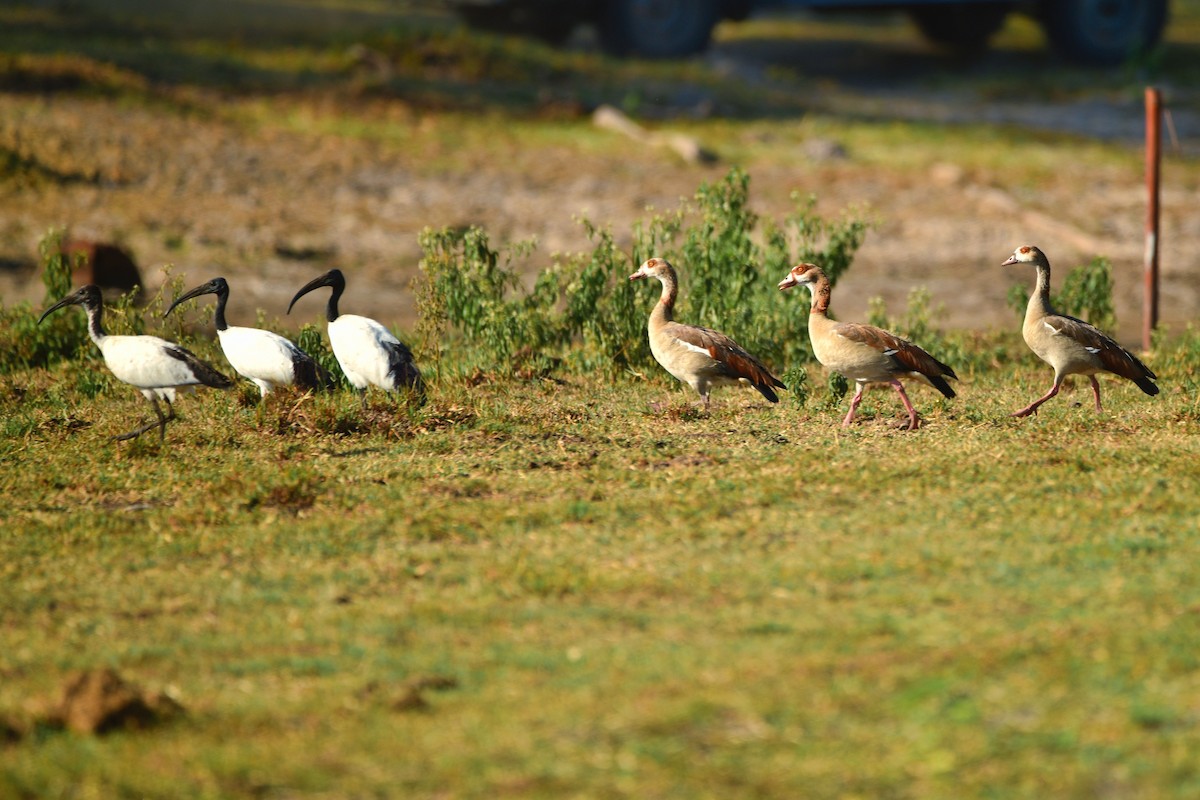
column 1153, row 159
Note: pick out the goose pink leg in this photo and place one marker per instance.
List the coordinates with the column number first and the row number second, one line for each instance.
column 913, row 422
column 1096, row 392
column 1032, row 408
column 854, row 401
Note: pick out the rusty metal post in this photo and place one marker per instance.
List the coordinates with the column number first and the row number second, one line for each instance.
column 1153, row 159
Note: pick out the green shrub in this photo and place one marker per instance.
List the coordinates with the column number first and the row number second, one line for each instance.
column 1087, row 293
column 839, row 387
column 830, row 244
column 583, row 306
column 56, row 271
column 610, row 322
column 63, row 336
column 464, row 284
column 795, row 378
column 1180, row 360
column 23, row 342
column 717, row 255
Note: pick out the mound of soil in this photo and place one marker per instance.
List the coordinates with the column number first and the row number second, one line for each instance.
column 100, row 701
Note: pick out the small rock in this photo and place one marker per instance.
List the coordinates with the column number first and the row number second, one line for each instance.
column 608, row 118
column 946, row 174
column 824, row 150
column 686, row 147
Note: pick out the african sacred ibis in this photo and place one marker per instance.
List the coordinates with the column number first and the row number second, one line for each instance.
column 266, row 358
column 153, row 365
column 366, row 351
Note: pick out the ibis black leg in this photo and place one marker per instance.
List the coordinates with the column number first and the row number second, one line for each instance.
column 162, row 421
column 136, row 432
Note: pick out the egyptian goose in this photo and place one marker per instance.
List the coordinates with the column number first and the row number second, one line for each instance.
column 367, row 352
column 263, row 357
column 863, row 353
column 1071, row 346
column 700, row 357
column 152, row 365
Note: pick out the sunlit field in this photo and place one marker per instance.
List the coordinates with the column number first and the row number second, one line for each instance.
column 558, row 575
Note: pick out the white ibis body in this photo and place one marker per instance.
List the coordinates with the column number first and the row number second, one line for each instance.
column 700, row 357
column 1070, row 345
column 263, row 357
column 154, row 366
column 367, row 352
column 863, row 353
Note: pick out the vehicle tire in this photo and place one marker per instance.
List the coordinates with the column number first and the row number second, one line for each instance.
column 960, row 28
column 551, row 25
column 737, row 10
column 1103, row 32
column 657, row 28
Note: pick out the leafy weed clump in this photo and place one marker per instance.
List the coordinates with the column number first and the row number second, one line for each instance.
column 583, row 309
column 24, row 343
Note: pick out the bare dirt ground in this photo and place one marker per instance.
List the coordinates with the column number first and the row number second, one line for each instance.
column 269, row 208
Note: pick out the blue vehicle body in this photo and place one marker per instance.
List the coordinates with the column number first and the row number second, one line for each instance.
column 1100, row 32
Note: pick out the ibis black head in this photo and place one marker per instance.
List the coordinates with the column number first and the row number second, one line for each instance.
column 334, row 279
column 86, row 296
column 216, row 286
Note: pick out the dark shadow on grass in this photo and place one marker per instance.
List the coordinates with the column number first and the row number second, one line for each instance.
column 359, row 451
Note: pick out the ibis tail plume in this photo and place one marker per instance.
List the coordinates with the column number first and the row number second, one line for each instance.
column 154, row 366
column 367, row 352
column 263, row 357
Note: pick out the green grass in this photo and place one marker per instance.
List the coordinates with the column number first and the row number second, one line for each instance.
column 620, row 599
column 633, row 602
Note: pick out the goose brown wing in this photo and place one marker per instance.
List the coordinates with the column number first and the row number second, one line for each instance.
column 905, row 355
column 731, row 358
column 1112, row 356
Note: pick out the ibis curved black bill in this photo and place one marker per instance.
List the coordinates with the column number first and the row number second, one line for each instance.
column 216, row 286
column 333, row 278
column 83, row 296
